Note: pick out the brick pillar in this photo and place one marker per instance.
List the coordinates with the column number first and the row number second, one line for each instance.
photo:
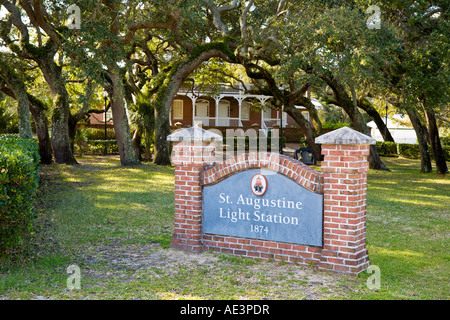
column 193, row 151
column 345, row 169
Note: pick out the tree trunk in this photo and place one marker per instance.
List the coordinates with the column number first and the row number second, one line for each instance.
column 20, row 94
column 137, row 137
column 60, row 117
column 72, row 132
column 120, row 118
column 422, row 139
column 45, row 146
column 37, row 109
column 307, row 130
column 375, row 116
column 23, row 109
column 60, row 128
column 162, row 123
column 435, row 141
column 359, row 124
column 167, row 92
column 350, row 107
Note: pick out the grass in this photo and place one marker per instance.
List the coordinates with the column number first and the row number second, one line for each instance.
column 116, row 223
column 408, row 231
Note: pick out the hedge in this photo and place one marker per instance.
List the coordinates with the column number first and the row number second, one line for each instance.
column 19, row 180
column 334, row 125
column 387, row 149
column 406, row 150
column 97, row 147
column 96, row 134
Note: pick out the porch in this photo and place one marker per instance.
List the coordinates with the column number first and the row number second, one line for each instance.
column 231, row 107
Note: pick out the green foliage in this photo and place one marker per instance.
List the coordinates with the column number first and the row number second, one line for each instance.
column 143, row 119
column 99, row 146
column 387, row 148
column 9, row 121
column 446, row 149
column 92, row 141
column 19, row 180
column 95, row 134
column 95, row 225
column 445, row 141
column 217, row 45
column 407, row 150
column 334, row 125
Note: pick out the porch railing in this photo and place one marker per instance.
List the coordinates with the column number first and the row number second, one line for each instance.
column 221, row 122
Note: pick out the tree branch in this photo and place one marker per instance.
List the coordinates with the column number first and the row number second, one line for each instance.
column 216, row 13
column 41, row 16
column 16, row 20
column 134, row 27
column 243, row 19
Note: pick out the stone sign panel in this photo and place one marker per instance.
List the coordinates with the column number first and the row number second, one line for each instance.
column 263, row 204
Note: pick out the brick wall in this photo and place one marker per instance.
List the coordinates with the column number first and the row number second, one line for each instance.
column 291, row 168
column 343, row 182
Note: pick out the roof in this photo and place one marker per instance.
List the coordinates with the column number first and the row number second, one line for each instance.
column 315, row 102
column 194, row 133
column 345, row 135
column 394, row 123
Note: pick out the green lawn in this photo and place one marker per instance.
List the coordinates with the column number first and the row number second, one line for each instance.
column 408, row 231
column 115, row 224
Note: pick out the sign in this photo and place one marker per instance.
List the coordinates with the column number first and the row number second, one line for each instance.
column 259, row 184
column 263, row 204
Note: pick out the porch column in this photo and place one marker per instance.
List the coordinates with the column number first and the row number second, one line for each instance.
column 193, row 100
column 263, row 102
column 240, row 108
column 217, row 100
column 262, row 116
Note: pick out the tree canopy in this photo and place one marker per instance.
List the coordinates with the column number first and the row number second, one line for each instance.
column 139, row 53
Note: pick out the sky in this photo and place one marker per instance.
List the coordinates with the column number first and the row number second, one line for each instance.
column 3, row 13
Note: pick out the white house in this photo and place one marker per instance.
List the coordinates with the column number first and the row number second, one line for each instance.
column 401, row 133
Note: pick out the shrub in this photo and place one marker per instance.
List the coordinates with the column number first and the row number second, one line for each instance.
column 446, row 149
column 445, row 141
column 387, row 148
column 91, row 141
column 97, row 134
column 19, row 179
column 98, row 146
column 407, row 150
column 334, row 125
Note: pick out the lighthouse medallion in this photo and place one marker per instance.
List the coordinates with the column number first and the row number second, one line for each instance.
column 259, row 184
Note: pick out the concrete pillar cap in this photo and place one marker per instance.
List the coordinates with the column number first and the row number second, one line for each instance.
column 195, row 133
column 345, row 135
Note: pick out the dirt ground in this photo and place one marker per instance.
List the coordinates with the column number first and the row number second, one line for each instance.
column 282, row 279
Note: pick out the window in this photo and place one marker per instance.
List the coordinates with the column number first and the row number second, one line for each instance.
column 224, row 113
column 202, row 108
column 178, row 109
column 306, row 115
column 109, row 115
column 224, row 109
column 245, row 110
column 267, row 113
